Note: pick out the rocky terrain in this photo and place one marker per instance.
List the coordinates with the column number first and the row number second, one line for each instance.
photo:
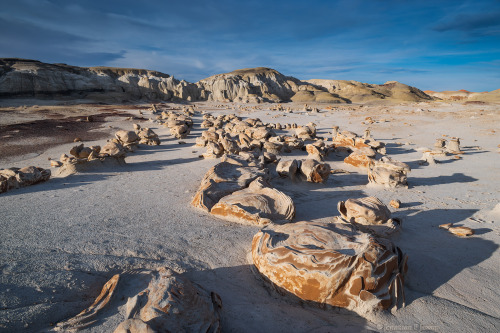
column 464, row 95
column 249, row 201
column 30, row 78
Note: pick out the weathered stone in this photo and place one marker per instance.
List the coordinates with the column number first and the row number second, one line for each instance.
column 257, row 204
column 368, row 210
column 359, row 160
column 332, row 264
column 370, row 215
column 147, row 136
column 214, row 150
column 315, row 171
column 389, row 173
column 127, row 137
column 113, row 149
column 314, row 152
column 458, row 231
column 453, row 146
column 307, row 132
column 163, row 301
column 395, row 203
column 180, row 131
column 223, row 179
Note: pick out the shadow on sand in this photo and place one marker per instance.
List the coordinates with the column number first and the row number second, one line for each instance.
column 435, row 255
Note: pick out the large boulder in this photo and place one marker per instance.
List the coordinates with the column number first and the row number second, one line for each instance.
column 388, row 172
column 369, row 214
column 314, row 171
column 331, row 264
column 257, row 204
column 223, row 179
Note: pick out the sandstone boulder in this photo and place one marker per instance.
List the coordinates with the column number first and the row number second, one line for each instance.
column 388, row 172
column 257, row 204
column 314, row 171
column 331, row 264
column 287, row 168
column 163, row 301
column 223, row 179
column 370, row 215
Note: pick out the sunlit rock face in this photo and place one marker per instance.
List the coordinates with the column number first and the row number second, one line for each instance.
column 331, row 263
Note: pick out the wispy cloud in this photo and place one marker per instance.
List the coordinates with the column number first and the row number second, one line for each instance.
column 363, row 40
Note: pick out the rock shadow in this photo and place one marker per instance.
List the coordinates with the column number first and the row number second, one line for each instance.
column 435, row 255
column 250, row 304
column 440, row 180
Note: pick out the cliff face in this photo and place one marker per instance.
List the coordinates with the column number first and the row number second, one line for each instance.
column 20, row 77
column 364, row 92
column 31, row 78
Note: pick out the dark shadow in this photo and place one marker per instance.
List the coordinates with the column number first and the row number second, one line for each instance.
column 439, row 180
column 250, row 304
column 411, row 204
column 395, row 149
column 317, row 201
column 436, row 255
column 58, row 183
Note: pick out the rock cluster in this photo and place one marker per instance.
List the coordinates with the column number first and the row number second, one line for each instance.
column 20, row 177
column 163, row 301
column 237, row 190
column 112, row 153
column 309, row 169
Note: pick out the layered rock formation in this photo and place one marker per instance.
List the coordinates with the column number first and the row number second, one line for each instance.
column 263, row 85
column 364, row 92
column 464, row 95
column 332, row 264
column 31, row 78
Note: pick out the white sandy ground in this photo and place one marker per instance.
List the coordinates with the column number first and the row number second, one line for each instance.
column 62, row 240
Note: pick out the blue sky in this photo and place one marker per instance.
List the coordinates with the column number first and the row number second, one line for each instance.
column 436, row 45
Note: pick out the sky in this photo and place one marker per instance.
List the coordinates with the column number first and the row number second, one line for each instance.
column 432, row 45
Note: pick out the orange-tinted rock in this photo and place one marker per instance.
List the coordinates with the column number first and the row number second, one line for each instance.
column 359, row 160
column 368, row 210
column 314, row 171
column 331, row 263
column 349, row 140
column 257, row 204
column 458, row 231
column 15, row 177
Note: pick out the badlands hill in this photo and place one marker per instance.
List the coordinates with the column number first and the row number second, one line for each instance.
column 31, row 78
column 464, row 95
column 365, row 92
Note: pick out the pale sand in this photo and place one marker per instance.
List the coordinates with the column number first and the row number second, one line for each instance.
column 62, row 240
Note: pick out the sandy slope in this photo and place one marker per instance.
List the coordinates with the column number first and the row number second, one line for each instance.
column 63, row 239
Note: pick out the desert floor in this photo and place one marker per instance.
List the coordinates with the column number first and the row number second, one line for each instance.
column 63, row 239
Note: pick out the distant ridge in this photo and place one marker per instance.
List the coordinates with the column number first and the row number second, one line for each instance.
column 465, row 95
column 32, row 78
